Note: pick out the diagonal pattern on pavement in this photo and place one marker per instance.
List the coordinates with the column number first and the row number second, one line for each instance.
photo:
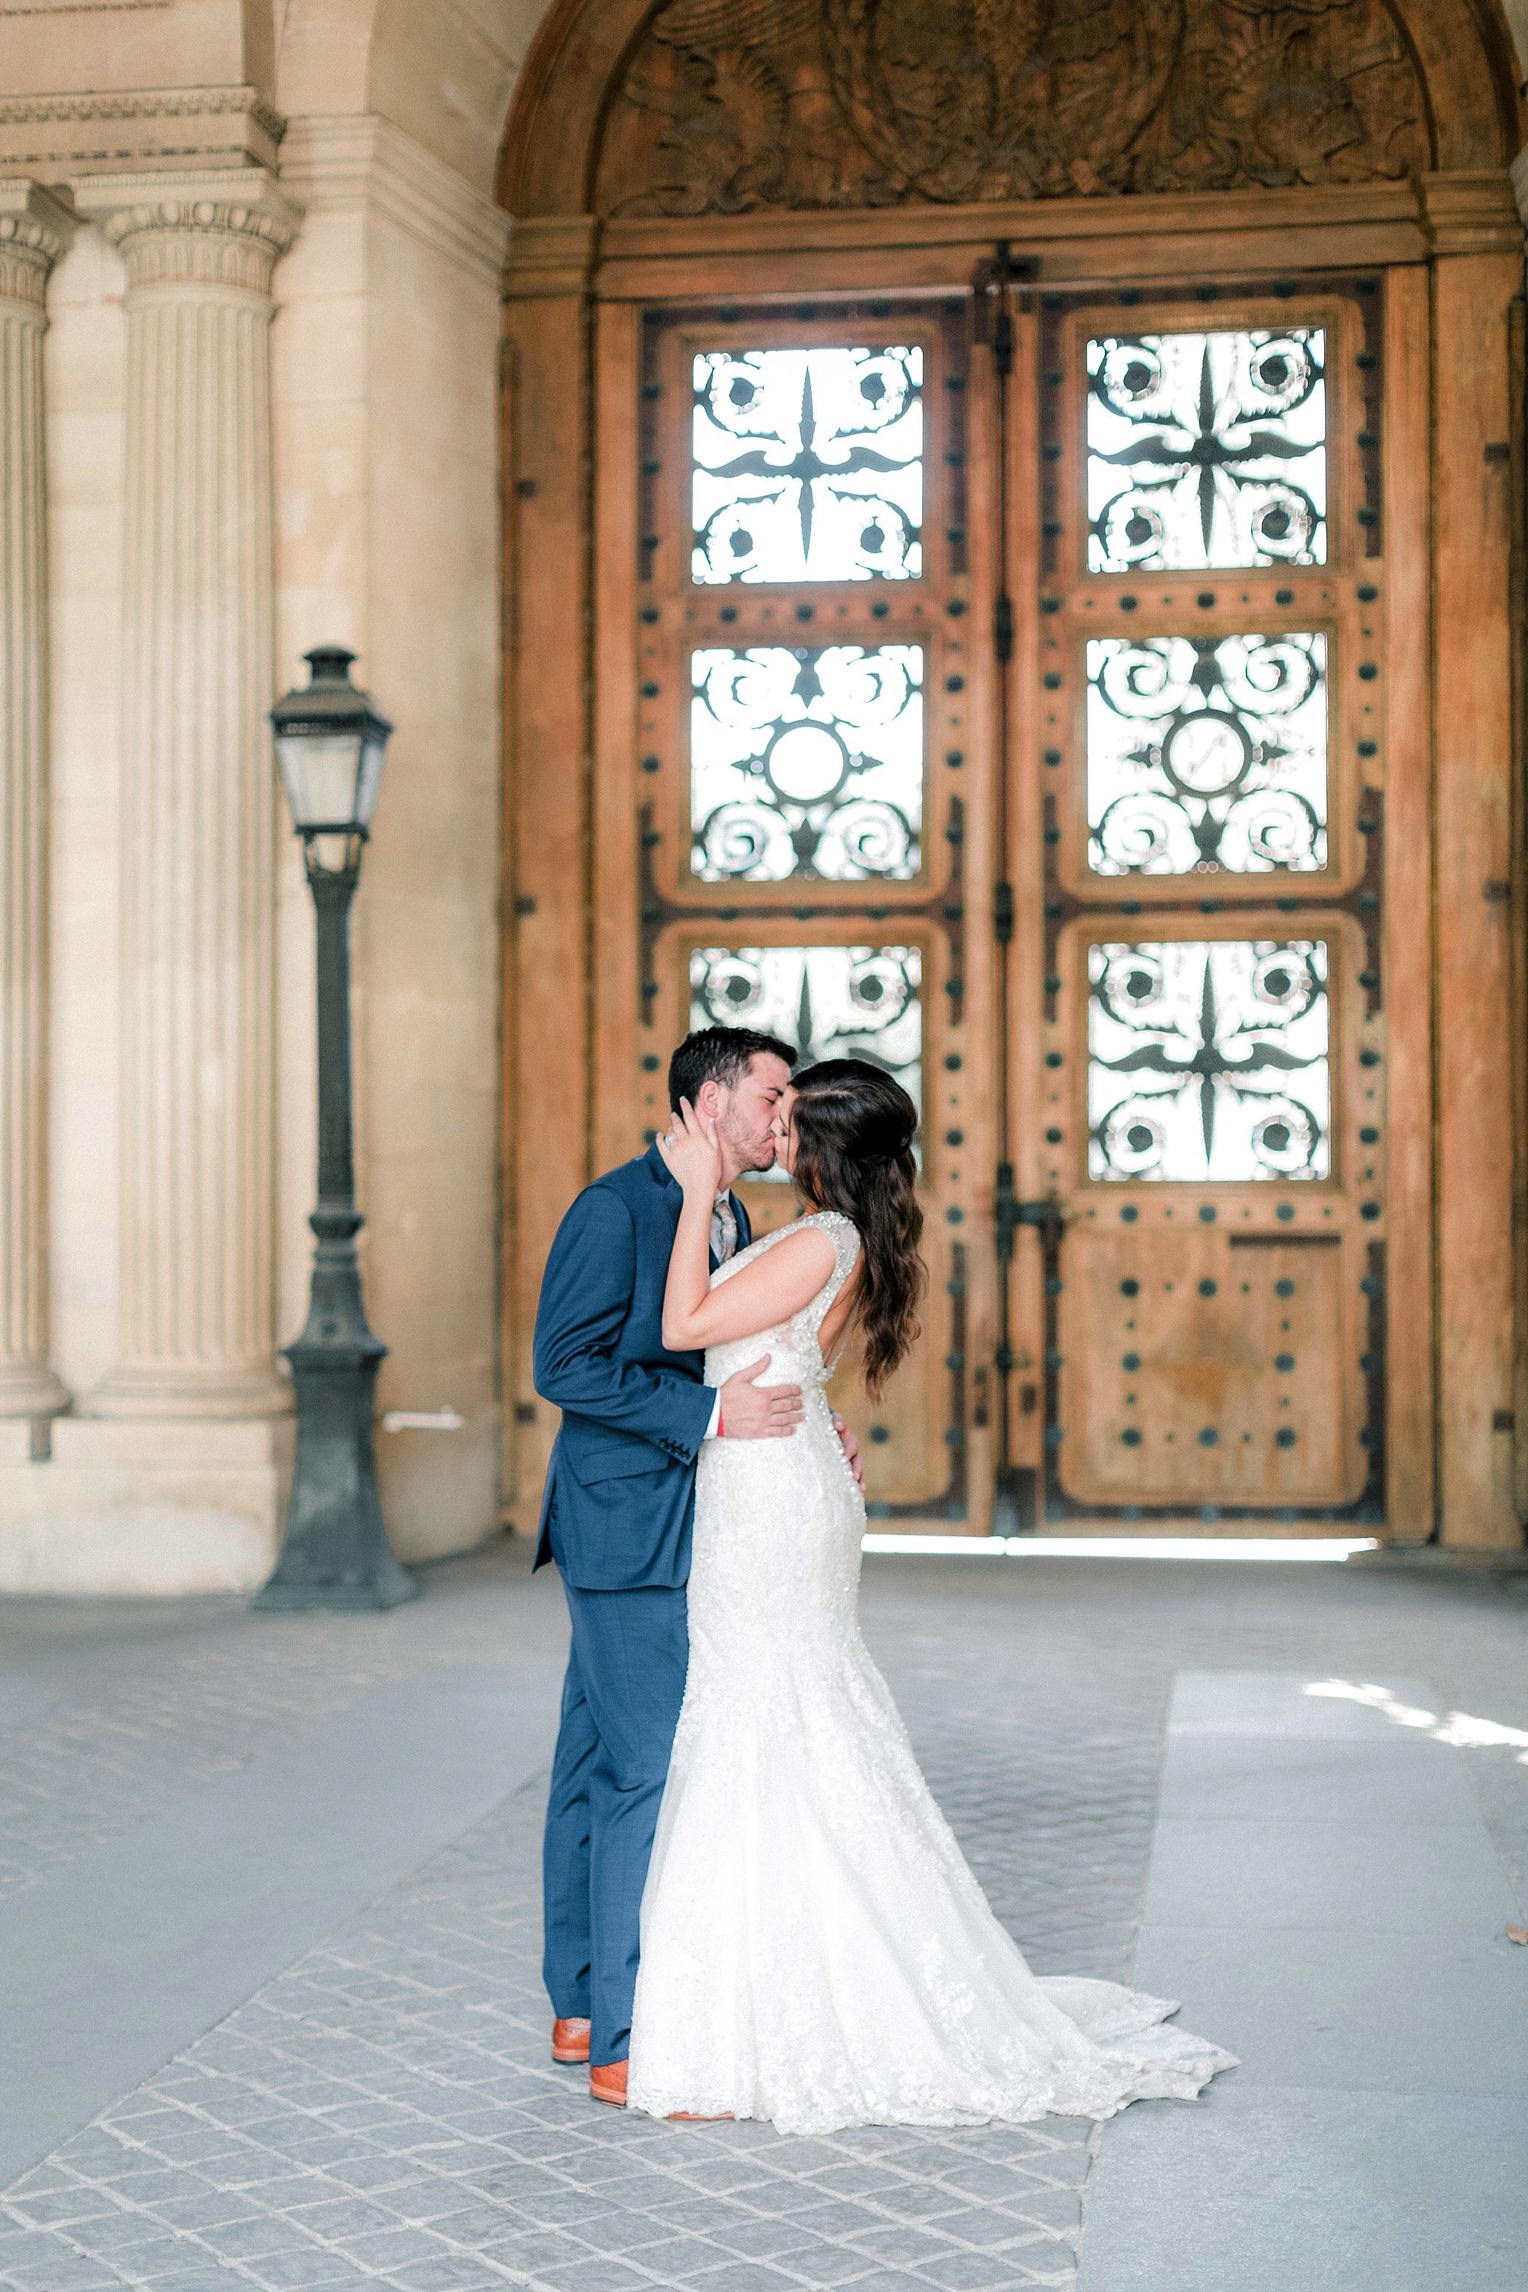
column 384, row 2110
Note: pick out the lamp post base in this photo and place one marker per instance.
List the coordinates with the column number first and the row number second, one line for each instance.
column 335, row 1554
column 335, row 1599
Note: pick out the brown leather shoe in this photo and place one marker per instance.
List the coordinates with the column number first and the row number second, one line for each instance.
column 607, row 2083
column 697, row 2117
column 570, row 2040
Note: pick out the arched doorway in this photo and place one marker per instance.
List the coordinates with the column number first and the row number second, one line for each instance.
column 1011, row 567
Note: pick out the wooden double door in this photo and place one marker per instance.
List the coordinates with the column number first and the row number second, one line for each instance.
column 992, row 684
column 1014, row 569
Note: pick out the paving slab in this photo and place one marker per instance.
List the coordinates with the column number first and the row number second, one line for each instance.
column 1275, row 1874
column 1315, row 1779
column 1434, row 2009
column 1308, row 2189
column 1352, row 1953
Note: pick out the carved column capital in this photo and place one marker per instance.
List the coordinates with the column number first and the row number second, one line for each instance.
column 200, row 232
column 35, row 229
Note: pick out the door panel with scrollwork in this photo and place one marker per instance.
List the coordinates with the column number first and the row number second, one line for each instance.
column 806, row 698
column 1207, row 1125
column 906, row 707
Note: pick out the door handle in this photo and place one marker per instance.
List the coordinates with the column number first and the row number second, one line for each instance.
column 1010, row 1213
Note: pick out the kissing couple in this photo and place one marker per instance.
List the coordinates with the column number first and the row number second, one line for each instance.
column 753, row 1906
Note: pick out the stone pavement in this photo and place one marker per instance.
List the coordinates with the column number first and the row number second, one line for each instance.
column 1325, row 1896
column 378, row 2106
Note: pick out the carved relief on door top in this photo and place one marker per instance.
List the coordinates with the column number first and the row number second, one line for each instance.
column 730, row 106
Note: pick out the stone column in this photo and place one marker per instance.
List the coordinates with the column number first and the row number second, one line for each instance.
column 198, row 795
column 35, row 228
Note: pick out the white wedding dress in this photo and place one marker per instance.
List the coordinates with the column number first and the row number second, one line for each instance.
column 815, row 1950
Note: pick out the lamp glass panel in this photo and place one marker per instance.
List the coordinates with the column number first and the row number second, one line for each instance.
column 373, row 751
column 321, row 771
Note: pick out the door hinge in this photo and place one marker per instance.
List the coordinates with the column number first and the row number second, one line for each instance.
column 1002, row 629
column 1002, row 913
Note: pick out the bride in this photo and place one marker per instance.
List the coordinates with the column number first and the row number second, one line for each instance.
column 815, row 1950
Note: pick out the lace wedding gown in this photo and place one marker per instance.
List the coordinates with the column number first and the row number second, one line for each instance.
column 815, row 1950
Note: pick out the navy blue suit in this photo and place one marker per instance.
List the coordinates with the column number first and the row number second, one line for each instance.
column 616, row 1518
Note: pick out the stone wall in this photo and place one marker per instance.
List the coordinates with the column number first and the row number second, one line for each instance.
column 266, row 408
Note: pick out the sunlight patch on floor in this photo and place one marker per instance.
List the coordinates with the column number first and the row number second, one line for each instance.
column 1458, row 1728
column 1331, row 1548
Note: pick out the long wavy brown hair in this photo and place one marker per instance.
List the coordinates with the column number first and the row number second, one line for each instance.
column 854, row 1132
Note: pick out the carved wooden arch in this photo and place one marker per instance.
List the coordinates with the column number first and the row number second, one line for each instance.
column 759, row 104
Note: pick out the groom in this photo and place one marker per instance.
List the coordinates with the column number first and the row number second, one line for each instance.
column 620, row 1496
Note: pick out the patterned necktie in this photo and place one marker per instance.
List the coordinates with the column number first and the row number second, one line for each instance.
column 723, row 1229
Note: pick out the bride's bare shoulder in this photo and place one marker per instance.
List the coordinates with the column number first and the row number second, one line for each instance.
column 799, row 1242
column 790, row 1255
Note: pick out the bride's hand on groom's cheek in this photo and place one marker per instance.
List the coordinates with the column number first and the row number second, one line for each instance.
column 692, row 1151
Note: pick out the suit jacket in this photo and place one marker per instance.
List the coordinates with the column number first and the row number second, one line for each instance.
column 620, row 1486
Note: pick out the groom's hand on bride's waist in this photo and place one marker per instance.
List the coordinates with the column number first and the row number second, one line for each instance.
column 751, row 1411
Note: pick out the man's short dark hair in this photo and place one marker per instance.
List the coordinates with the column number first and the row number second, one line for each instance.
column 719, row 1054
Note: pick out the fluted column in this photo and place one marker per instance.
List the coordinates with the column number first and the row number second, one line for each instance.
column 34, row 230
column 197, row 854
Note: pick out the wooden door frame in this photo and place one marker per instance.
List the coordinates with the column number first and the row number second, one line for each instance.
column 1450, row 245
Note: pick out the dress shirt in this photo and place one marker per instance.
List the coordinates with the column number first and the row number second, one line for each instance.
column 723, row 1246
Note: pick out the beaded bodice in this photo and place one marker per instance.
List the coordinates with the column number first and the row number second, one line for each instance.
column 794, row 1346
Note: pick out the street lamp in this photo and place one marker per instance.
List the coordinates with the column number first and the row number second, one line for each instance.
column 330, row 743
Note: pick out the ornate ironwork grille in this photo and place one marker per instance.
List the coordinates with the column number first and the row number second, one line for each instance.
column 806, row 761
column 808, row 464
column 1210, row 731
column 1207, row 1060
column 1207, row 754
column 1206, row 450
column 829, row 1002
column 804, row 675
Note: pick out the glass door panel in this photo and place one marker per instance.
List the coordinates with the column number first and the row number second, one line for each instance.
column 808, row 691
column 1207, row 1127
column 1209, row 1318
column 806, row 760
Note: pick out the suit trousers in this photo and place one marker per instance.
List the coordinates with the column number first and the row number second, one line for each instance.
column 620, row 1707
